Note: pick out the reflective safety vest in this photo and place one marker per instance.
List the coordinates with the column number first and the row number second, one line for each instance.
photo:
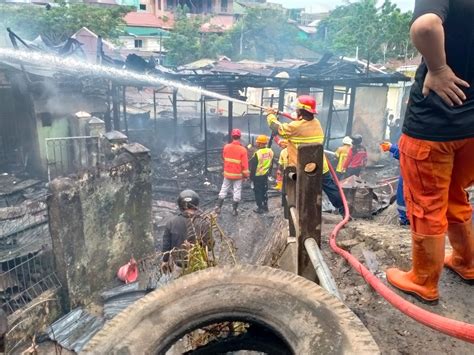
column 283, row 161
column 265, row 160
column 341, row 154
column 301, row 132
column 236, row 165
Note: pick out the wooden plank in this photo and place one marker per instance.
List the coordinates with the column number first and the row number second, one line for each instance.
column 308, row 201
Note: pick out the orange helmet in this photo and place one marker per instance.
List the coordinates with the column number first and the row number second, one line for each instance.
column 262, row 139
column 307, row 103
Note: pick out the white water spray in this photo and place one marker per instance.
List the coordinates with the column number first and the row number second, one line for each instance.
column 74, row 66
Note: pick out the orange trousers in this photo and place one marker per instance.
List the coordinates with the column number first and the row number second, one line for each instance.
column 436, row 175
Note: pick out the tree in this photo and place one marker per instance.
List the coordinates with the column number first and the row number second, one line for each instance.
column 188, row 43
column 60, row 22
column 375, row 33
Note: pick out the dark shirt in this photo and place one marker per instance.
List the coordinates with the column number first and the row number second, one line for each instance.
column 429, row 118
column 185, row 227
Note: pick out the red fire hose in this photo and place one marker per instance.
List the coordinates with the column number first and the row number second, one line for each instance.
column 451, row 327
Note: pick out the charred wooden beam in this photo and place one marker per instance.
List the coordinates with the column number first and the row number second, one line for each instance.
column 309, row 172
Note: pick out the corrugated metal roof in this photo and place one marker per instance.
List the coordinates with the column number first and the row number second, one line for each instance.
column 75, row 329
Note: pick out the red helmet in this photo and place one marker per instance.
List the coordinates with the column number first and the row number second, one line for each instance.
column 236, row 133
column 307, row 103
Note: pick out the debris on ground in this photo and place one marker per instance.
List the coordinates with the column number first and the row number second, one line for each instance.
column 380, row 245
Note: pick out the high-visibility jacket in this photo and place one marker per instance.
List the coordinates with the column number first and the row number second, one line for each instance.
column 236, row 164
column 301, row 132
column 264, row 161
column 341, row 154
column 283, row 160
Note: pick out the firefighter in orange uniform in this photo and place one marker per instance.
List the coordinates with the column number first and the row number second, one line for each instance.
column 236, row 169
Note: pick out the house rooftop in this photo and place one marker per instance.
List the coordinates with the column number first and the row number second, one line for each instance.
column 146, row 19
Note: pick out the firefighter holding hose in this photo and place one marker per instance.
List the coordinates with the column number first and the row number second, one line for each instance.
column 436, row 148
column 305, row 130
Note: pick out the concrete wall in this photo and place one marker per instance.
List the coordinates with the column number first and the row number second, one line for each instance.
column 98, row 221
column 369, row 118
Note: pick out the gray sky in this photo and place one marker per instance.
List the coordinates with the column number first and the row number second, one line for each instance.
column 324, row 5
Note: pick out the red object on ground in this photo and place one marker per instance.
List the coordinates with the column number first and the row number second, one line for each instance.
column 129, row 272
column 451, row 327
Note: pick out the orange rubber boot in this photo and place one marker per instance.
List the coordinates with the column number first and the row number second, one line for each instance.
column 461, row 260
column 422, row 280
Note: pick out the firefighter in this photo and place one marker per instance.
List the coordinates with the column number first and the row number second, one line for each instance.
column 282, row 162
column 436, row 148
column 305, row 130
column 236, row 169
column 188, row 226
column 357, row 157
column 260, row 167
column 341, row 154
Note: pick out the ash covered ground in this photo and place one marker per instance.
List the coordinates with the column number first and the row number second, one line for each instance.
column 380, row 245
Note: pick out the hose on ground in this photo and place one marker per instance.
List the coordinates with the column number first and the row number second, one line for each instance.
column 451, row 327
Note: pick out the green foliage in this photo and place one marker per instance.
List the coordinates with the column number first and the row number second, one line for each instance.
column 379, row 33
column 60, row 22
column 260, row 34
column 187, row 43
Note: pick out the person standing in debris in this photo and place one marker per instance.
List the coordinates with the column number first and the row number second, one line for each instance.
column 305, row 130
column 357, row 157
column 436, row 148
column 260, row 167
column 282, row 162
column 188, row 226
column 236, row 168
column 341, row 154
column 401, row 206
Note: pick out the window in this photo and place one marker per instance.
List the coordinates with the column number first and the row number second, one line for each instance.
column 138, row 43
column 142, row 7
column 223, row 5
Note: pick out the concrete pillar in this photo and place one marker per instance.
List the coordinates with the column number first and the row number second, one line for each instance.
column 98, row 222
column 96, row 127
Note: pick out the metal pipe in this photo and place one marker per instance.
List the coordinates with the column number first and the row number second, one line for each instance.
column 294, row 217
column 324, row 274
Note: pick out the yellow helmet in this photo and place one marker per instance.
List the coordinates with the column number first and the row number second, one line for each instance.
column 283, row 143
column 262, row 139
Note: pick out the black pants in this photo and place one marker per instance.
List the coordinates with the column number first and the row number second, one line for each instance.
column 260, row 188
column 331, row 190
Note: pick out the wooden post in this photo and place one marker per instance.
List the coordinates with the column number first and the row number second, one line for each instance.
column 154, row 111
column 175, row 115
column 230, row 114
column 281, row 99
column 125, row 119
column 108, row 117
column 330, row 101
column 206, row 148
column 115, row 107
column 350, row 119
column 309, row 173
